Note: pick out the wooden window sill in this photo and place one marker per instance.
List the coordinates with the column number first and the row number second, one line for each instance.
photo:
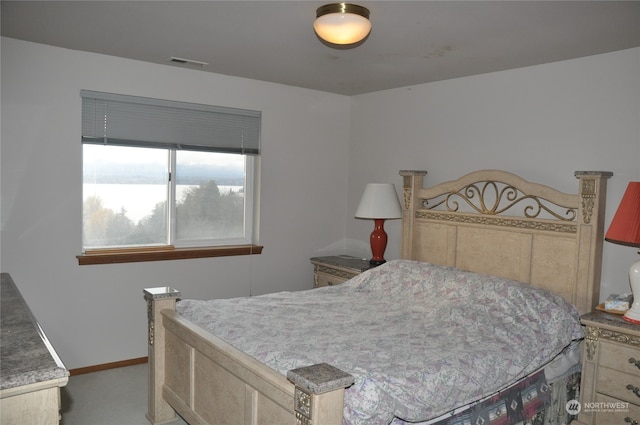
column 162, row 254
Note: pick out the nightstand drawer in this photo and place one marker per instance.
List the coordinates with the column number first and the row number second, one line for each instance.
column 334, row 270
column 618, row 384
column 612, row 412
column 621, row 357
column 324, row 279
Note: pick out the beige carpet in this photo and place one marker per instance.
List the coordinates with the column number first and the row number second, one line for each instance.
column 111, row 397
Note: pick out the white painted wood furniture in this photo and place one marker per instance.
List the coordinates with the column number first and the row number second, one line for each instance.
column 498, row 223
column 31, row 371
column 488, row 221
column 610, row 385
column 336, row 269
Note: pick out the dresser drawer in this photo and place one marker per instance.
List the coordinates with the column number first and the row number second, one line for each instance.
column 618, row 384
column 610, row 411
column 621, row 357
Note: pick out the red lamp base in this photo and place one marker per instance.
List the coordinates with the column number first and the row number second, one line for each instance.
column 378, row 241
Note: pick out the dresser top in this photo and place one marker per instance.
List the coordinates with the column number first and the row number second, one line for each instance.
column 26, row 355
column 615, row 322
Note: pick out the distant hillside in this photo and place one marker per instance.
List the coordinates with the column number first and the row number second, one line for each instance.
column 155, row 174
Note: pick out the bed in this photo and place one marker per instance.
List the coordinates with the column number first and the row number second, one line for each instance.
column 506, row 242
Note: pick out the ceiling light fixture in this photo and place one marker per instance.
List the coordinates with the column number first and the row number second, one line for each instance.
column 342, row 23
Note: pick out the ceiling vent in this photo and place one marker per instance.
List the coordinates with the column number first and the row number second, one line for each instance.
column 188, row 62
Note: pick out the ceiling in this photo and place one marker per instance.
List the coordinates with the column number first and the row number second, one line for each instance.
column 411, row 42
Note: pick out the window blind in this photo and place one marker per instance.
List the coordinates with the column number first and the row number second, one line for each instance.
column 116, row 119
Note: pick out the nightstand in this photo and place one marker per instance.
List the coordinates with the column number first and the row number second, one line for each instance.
column 610, row 385
column 333, row 270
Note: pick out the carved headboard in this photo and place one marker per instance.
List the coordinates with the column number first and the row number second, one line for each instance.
column 498, row 223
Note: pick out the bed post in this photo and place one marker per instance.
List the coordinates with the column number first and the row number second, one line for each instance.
column 319, row 394
column 158, row 299
column 412, row 181
column 593, row 196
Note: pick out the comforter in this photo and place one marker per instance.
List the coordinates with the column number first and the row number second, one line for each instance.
column 420, row 339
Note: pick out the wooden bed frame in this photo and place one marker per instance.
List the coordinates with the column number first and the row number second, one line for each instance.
column 488, row 221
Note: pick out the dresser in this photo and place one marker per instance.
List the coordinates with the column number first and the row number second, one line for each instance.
column 333, row 270
column 31, row 372
column 610, row 386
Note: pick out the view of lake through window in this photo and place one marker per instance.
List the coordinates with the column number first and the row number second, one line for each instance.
column 142, row 196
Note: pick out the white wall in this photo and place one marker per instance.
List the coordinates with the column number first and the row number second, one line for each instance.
column 96, row 314
column 542, row 122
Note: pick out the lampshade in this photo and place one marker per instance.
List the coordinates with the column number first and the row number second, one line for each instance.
column 379, row 200
column 625, row 226
column 342, row 23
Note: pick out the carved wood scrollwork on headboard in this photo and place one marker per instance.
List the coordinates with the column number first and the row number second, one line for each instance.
column 588, row 194
column 406, row 192
column 411, row 181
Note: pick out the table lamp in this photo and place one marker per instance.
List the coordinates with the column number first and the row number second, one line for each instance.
column 625, row 230
column 379, row 202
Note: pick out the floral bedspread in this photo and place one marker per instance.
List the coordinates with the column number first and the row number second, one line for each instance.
column 420, row 339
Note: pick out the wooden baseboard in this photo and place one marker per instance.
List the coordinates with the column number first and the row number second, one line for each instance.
column 107, row 366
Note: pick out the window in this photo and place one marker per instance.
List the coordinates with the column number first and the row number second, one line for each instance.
column 161, row 175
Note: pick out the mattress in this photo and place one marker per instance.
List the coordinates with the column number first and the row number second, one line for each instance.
column 420, row 339
column 523, row 399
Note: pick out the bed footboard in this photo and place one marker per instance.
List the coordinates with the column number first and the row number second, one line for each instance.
column 210, row 382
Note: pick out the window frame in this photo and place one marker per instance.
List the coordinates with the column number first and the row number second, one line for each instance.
column 176, row 249
column 249, row 221
column 114, row 256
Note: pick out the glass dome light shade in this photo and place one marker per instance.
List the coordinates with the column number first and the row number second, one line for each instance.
column 342, row 23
